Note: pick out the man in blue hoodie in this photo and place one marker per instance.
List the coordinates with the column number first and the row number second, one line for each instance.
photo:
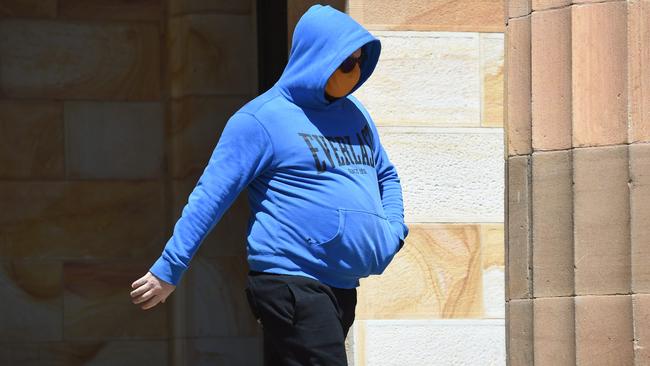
column 326, row 202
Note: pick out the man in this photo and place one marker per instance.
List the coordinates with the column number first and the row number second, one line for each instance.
column 326, row 202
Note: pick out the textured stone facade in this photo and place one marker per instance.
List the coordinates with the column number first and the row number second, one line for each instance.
column 577, row 215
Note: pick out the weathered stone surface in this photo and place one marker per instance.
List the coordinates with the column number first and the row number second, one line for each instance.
column 493, row 258
column 32, row 293
column 31, row 141
column 114, row 140
column 640, row 216
column 638, row 38
column 439, row 15
column 212, row 54
column 148, row 10
column 519, row 332
column 492, row 79
column 551, row 79
column 97, row 304
column 438, row 342
column 437, row 274
column 112, row 352
column 448, row 175
column 601, row 220
column 641, row 305
column 554, row 331
column 81, row 219
column 604, row 330
column 518, row 116
column 552, row 223
column 398, row 94
column 517, row 8
column 519, row 252
column 178, row 7
column 549, row 4
column 599, row 73
column 79, row 60
column 196, row 126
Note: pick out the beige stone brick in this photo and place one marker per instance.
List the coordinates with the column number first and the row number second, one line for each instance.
column 549, row 4
column 397, row 94
column 640, row 216
column 580, row 2
column 114, row 140
column 604, row 333
column 28, row 8
column 467, row 160
column 493, row 259
column 438, row 15
column 492, row 245
column 552, row 199
column 519, row 253
column 218, row 283
column 212, row 54
column 179, row 7
column 150, row 10
column 554, row 331
column 32, row 293
column 101, row 352
column 517, row 8
column 97, row 303
column 31, row 141
column 437, row 274
column 551, row 79
column 82, row 219
column 518, row 87
column 196, row 126
column 80, row 60
column 228, row 236
column 601, row 220
column 599, row 66
column 492, row 85
column 638, row 29
column 519, row 332
column 221, row 351
column 296, row 9
column 641, row 309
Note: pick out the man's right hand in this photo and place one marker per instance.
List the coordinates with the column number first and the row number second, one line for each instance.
column 151, row 289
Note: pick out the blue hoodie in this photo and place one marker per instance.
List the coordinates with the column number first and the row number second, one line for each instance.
column 325, row 200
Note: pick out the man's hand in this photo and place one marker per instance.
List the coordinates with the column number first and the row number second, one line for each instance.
column 151, row 289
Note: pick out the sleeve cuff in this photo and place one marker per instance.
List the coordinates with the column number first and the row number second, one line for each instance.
column 167, row 272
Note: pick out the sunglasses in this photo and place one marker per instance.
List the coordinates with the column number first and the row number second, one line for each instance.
column 348, row 64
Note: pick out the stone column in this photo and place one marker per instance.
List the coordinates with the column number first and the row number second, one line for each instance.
column 211, row 59
column 578, row 182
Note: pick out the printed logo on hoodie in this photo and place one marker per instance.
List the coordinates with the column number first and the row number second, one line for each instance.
column 333, row 151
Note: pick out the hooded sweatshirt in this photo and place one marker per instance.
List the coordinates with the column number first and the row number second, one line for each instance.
column 325, row 200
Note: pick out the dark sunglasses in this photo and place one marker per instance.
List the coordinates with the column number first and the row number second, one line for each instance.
column 348, row 64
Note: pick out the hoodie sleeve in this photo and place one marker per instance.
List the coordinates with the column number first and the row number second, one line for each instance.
column 389, row 187
column 243, row 152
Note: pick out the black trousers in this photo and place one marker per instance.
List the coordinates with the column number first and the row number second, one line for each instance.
column 304, row 321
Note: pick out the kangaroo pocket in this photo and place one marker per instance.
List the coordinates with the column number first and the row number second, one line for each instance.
column 363, row 244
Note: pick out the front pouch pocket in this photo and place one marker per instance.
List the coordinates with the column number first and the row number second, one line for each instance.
column 362, row 245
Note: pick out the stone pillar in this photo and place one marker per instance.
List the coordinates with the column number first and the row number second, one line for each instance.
column 578, row 182
column 211, row 72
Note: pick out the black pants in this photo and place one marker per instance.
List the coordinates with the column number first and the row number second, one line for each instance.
column 304, row 321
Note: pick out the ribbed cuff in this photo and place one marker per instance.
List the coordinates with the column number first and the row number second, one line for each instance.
column 166, row 271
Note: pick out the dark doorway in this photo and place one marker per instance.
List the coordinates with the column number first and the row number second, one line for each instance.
column 272, row 47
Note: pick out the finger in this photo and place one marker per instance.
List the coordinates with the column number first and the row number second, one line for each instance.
column 151, row 303
column 140, row 290
column 139, row 282
column 146, row 296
